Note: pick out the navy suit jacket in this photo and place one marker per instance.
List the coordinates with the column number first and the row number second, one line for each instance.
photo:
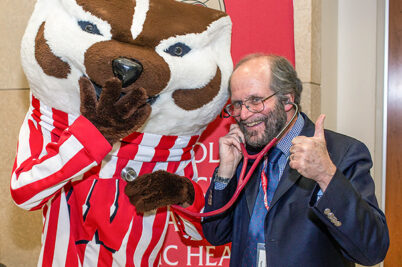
column 345, row 226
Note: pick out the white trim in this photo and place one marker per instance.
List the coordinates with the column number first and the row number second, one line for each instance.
column 385, row 104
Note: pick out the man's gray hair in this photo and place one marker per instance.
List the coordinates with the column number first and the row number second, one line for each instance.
column 284, row 78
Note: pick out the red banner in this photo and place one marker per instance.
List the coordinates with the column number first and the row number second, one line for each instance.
column 258, row 26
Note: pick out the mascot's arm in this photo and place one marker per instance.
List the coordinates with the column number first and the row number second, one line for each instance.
column 190, row 227
column 161, row 188
column 42, row 168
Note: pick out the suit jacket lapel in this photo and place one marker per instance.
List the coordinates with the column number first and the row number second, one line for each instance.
column 251, row 189
column 289, row 178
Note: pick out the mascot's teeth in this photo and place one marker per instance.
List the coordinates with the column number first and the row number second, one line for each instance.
column 98, row 90
column 152, row 99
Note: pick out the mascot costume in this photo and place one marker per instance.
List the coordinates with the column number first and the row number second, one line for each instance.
column 120, row 92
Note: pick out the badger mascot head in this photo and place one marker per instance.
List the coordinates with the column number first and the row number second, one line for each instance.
column 120, row 92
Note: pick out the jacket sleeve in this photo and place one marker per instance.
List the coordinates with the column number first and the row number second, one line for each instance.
column 218, row 229
column 43, row 166
column 349, row 209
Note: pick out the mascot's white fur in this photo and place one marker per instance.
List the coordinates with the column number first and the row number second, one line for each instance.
column 120, row 92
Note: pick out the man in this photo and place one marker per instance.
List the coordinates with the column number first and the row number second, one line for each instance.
column 317, row 206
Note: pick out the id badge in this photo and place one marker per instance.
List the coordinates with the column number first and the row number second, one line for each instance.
column 261, row 255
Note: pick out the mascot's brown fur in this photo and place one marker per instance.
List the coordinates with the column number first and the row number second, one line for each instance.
column 119, row 89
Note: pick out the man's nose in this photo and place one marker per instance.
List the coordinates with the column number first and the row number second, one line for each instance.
column 244, row 112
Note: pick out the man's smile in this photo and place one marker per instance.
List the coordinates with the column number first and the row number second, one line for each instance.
column 253, row 123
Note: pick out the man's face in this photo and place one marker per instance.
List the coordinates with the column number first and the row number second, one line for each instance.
column 251, row 80
column 271, row 124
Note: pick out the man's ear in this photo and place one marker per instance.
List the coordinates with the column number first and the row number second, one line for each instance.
column 288, row 103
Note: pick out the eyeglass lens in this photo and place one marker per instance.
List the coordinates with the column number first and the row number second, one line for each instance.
column 254, row 105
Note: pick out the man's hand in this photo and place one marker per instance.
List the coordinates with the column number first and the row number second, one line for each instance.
column 230, row 151
column 309, row 156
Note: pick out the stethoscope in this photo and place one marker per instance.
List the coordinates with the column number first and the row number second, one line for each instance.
column 243, row 178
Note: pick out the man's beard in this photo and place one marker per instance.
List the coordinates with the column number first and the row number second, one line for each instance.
column 274, row 121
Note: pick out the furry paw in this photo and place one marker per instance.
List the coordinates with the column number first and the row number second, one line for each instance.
column 159, row 189
column 115, row 116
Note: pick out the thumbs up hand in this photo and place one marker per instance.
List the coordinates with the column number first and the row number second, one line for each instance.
column 309, row 156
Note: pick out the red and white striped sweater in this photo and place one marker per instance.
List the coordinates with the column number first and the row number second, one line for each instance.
column 65, row 167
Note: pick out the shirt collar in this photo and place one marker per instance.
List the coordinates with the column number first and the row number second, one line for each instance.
column 286, row 142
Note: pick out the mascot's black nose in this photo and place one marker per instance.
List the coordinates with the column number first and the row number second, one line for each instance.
column 127, row 70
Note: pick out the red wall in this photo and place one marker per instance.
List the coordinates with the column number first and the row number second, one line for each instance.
column 258, row 26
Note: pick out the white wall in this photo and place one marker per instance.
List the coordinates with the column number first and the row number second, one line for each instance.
column 352, row 78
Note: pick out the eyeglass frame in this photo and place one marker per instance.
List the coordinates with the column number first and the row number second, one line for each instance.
column 226, row 109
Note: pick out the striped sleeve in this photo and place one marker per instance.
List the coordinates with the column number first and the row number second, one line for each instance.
column 190, row 227
column 43, row 167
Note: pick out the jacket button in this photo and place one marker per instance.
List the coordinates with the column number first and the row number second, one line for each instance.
column 327, row 211
column 128, row 174
column 331, row 216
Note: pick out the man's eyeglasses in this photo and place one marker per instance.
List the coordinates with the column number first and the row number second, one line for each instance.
column 253, row 104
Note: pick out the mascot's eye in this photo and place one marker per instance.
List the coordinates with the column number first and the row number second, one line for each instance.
column 178, row 49
column 89, row 27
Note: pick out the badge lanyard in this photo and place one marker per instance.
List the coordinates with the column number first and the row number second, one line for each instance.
column 264, row 182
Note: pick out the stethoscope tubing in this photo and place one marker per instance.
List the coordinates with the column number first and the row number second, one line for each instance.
column 243, row 178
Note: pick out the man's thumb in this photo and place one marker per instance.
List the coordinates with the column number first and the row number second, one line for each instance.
column 319, row 126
